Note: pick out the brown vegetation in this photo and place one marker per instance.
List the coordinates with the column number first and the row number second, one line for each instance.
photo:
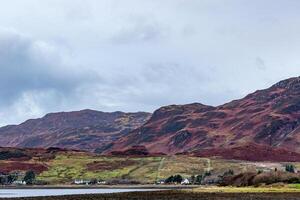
column 84, row 130
column 256, row 179
column 266, row 119
column 102, row 165
column 250, row 152
column 7, row 167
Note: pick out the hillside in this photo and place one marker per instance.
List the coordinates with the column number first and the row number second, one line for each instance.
column 262, row 126
column 59, row 166
column 266, row 118
column 85, row 130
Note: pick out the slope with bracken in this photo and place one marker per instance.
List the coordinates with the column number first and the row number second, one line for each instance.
column 266, row 118
column 85, row 130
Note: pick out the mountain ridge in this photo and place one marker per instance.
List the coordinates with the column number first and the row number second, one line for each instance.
column 269, row 117
column 85, row 129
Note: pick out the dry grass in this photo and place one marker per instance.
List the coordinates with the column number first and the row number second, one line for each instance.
column 65, row 168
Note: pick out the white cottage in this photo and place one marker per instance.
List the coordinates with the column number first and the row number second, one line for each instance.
column 185, row 182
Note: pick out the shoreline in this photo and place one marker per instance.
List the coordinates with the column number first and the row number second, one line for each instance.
column 170, row 195
column 171, row 192
column 168, row 187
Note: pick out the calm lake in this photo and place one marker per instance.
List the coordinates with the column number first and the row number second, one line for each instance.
column 6, row 193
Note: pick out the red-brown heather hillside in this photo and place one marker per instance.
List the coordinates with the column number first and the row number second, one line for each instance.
column 84, row 130
column 267, row 118
column 36, row 159
column 262, row 126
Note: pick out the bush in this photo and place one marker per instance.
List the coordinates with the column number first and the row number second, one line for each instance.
column 41, row 182
column 228, row 173
column 93, row 181
column 240, row 180
column 11, row 178
column 123, row 182
column 207, row 173
column 249, row 178
column 290, row 168
column 199, row 179
column 5, row 155
column 29, row 177
column 174, row 179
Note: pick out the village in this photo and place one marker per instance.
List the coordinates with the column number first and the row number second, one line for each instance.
column 17, row 178
column 287, row 174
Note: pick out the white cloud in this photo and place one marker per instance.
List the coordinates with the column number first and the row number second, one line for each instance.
column 138, row 54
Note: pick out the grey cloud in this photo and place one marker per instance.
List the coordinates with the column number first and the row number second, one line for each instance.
column 33, row 73
column 30, row 66
column 139, row 55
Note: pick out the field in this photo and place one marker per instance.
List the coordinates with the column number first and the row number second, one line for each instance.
column 62, row 167
column 66, row 167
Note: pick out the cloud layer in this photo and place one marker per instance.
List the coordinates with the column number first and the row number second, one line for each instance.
column 60, row 55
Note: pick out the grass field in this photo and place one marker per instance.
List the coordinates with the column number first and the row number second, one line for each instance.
column 67, row 167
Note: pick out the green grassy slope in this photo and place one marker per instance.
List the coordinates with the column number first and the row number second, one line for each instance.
column 67, row 167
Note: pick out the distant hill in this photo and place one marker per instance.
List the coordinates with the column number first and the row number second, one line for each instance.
column 265, row 125
column 266, row 122
column 84, row 130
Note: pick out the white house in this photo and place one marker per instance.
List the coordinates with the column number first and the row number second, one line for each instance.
column 162, row 181
column 185, row 182
column 81, row 182
column 101, row 182
column 19, row 182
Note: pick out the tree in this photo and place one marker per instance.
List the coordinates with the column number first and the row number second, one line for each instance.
column 178, row 178
column 174, row 179
column 2, row 180
column 207, row 173
column 11, row 178
column 170, row 179
column 199, row 179
column 29, row 177
column 193, row 179
column 94, row 181
column 230, row 172
column 290, row 168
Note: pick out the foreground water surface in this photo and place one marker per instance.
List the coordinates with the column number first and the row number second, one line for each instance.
column 6, row 193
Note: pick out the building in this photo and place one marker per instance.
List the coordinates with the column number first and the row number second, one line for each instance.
column 101, row 182
column 19, row 182
column 185, row 182
column 160, row 182
column 81, row 182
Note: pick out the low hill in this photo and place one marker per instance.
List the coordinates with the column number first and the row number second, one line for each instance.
column 84, row 130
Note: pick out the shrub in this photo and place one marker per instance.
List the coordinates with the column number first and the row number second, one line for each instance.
column 290, row 168
column 29, row 177
column 249, row 178
column 199, row 179
column 174, row 179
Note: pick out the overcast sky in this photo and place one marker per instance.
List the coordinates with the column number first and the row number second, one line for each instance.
column 138, row 55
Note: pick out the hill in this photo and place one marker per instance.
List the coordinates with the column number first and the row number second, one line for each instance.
column 266, row 120
column 263, row 126
column 60, row 166
column 84, row 130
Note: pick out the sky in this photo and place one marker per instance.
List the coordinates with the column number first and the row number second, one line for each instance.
column 139, row 55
